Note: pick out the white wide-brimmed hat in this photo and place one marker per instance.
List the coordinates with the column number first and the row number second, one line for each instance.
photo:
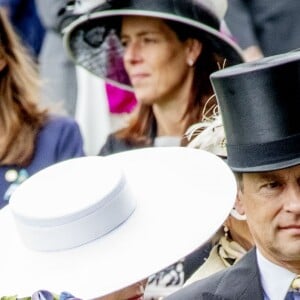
column 92, row 38
column 93, row 225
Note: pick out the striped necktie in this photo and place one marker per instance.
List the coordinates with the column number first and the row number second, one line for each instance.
column 294, row 290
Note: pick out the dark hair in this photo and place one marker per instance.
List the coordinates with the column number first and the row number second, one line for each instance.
column 239, row 179
column 143, row 119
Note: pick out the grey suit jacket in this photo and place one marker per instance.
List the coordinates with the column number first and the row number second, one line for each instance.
column 273, row 25
column 57, row 71
column 239, row 282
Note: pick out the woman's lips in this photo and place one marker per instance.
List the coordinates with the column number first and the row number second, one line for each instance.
column 138, row 77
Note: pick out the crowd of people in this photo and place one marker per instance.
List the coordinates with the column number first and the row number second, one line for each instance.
column 195, row 191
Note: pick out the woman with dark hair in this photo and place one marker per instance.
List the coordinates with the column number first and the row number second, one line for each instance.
column 30, row 137
column 170, row 76
column 165, row 81
column 164, row 51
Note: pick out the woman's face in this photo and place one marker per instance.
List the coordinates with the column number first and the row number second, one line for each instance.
column 156, row 61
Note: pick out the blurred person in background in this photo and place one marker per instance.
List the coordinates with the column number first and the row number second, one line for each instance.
column 263, row 27
column 57, row 71
column 168, row 67
column 31, row 136
column 26, row 22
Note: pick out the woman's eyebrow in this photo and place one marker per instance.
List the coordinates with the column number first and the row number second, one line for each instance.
column 141, row 34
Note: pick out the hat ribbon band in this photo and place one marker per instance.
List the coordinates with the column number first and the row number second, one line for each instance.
column 252, row 155
column 82, row 230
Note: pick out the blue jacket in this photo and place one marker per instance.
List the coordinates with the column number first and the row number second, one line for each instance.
column 58, row 140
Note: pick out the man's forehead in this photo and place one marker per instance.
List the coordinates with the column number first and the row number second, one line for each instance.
column 281, row 173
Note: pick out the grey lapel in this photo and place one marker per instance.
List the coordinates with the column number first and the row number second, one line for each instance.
column 241, row 281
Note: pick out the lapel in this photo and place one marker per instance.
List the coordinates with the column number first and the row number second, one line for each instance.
column 241, row 281
column 208, row 296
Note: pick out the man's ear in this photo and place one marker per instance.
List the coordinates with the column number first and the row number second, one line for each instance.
column 194, row 49
column 239, row 205
column 237, row 209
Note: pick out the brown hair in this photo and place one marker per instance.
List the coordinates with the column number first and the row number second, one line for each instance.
column 20, row 116
column 143, row 119
column 239, row 180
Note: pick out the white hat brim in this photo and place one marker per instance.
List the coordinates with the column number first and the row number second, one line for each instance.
column 183, row 196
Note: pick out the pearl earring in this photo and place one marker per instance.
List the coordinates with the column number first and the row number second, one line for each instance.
column 226, row 230
column 190, row 62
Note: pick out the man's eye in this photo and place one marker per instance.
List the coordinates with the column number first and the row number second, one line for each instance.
column 272, row 185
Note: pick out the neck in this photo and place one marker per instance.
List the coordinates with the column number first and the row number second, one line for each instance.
column 170, row 120
column 169, row 112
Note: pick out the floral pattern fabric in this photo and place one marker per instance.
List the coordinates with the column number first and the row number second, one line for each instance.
column 43, row 295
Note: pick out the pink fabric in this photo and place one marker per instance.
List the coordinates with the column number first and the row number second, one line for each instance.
column 119, row 100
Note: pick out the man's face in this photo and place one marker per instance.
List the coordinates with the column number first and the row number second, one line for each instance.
column 271, row 201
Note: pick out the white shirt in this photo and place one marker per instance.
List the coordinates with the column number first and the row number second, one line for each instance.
column 167, row 141
column 275, row 280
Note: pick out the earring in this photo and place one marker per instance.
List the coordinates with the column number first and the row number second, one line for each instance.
column 226, row 230
column 190, row 62
column 237, row 215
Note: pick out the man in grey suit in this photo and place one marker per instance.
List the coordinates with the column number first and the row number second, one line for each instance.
column 260, row 105
column 57, row 70
column 264, row 27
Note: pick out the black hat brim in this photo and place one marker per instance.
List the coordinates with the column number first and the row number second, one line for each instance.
column 92, row 42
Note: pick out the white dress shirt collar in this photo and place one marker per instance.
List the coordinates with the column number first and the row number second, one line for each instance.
column 275, row 279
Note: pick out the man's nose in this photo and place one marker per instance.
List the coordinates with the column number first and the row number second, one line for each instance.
column 293, row 199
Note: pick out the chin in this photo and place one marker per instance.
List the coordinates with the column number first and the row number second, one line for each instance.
column 145, row 96
column 145, row 99
column 290, row 251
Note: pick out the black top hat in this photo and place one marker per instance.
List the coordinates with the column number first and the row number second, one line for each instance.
column 260, row 106
column 92, row 39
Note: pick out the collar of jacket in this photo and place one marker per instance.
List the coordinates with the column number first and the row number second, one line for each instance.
column 241, row 281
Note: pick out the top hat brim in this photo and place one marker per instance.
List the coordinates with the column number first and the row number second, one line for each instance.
column 266, row 167
column 183, row 196
column 91, row 42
